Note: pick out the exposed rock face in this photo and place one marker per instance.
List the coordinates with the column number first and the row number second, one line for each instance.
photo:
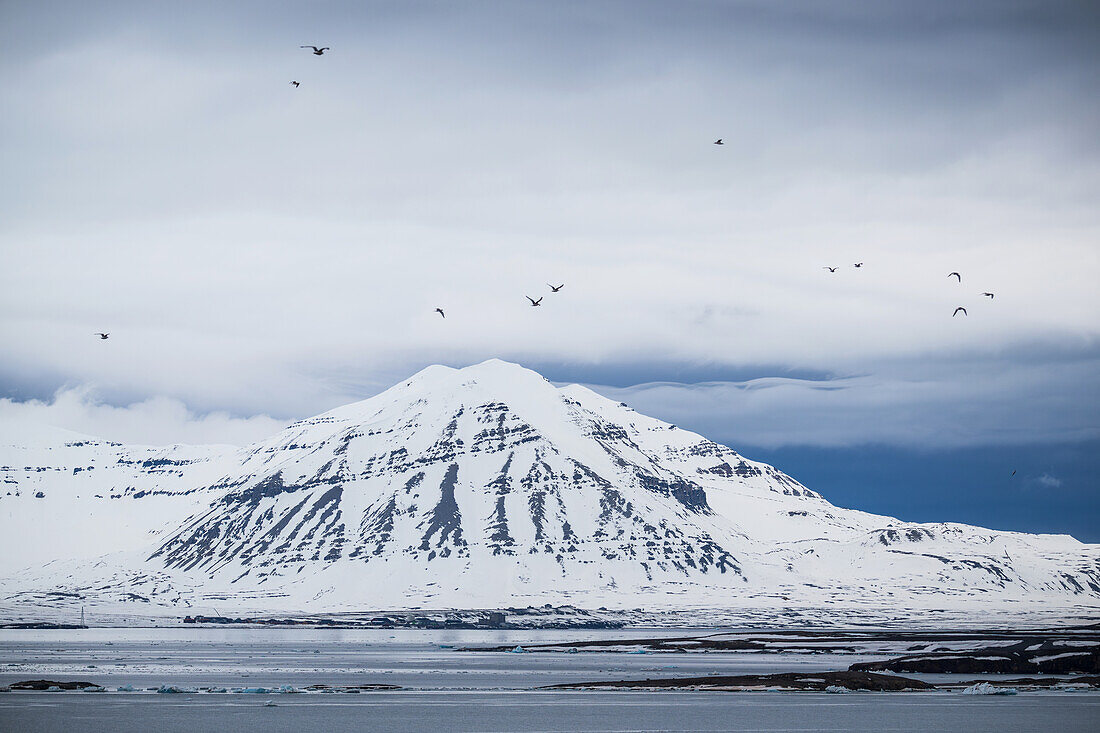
column 478, row 488
column 1025, row 657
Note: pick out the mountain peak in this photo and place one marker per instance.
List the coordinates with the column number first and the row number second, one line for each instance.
column 486, row 372
column 480, row 486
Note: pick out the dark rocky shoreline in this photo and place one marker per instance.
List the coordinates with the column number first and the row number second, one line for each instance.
column 813, row 681
column 843, row 681
column 1030, row 656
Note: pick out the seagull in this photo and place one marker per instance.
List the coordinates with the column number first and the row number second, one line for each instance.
column 988, row 295
column 830, row 269
column 103, row 336
column 1014, row 472
column 533, row 301
column 317, row 51
column 719, row 142
column 555, row 289
column 440, row 312
column 858, row 264
column 960, row 308
column 955, row 274
column 296, row 85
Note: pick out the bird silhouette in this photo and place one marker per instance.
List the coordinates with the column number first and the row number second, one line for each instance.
column 719, row 142
column 295, row 84
column 955, row 274
column 103, row 336
column 555, row 289
column 533, row 301
column 440, row 312
column 858, row 264
column 1013, row 472
column 830, row 269
column 988, row 295
column 960, row 308
column 317, row 51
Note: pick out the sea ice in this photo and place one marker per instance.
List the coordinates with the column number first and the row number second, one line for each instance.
column 173, row 689
column 984, row 688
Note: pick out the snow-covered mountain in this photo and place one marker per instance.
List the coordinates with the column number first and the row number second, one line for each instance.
column 476, row 488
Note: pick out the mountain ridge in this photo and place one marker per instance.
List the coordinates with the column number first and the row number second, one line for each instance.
column 484, row 486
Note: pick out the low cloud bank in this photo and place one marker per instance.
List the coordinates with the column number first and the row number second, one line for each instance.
column 154, row 421
column 938, row 407
column 929, row 406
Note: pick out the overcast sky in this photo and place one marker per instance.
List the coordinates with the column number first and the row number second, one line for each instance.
column 261, row 252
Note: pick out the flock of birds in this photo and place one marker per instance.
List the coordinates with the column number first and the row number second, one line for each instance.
column 957, row 276
column 535, row 303
column 320, row 51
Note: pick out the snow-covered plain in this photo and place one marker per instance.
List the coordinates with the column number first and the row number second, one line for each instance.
column 487, row 487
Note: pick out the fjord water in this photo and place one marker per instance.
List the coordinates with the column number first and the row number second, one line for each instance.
column 444, row 688
column 484, row 712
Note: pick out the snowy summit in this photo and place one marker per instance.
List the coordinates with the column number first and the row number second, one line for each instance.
column 476, row 488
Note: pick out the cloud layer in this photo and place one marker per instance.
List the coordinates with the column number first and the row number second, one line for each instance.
column 257, row 249
column 944, row 406
column 155, row 421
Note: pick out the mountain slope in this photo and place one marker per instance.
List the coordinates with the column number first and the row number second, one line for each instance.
column 488, row 486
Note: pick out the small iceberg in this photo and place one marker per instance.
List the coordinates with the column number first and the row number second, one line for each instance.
column 837, row 690
column 126, row 688
column 637, row 651
column 288, row 690
column 173, row 690
column 572, row 650
column 518, row 650
column 984, row 688
column 95, row 688
column 253, row 690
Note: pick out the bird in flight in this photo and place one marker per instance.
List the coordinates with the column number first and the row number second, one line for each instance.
column 858, row 264
column 295, row 84
column 317, row 51
column 960, row 308
column 988, row 295
column 533, row 301
column 555, row 289
column 830, row 269
column 955, row 275
column 1014, row 472
column 719, row 142
column 440, row 312
column 103, row 336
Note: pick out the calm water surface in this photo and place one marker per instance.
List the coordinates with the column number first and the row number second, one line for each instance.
column 450, row 690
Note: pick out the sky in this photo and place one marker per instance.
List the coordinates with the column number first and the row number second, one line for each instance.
column 260, row 253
